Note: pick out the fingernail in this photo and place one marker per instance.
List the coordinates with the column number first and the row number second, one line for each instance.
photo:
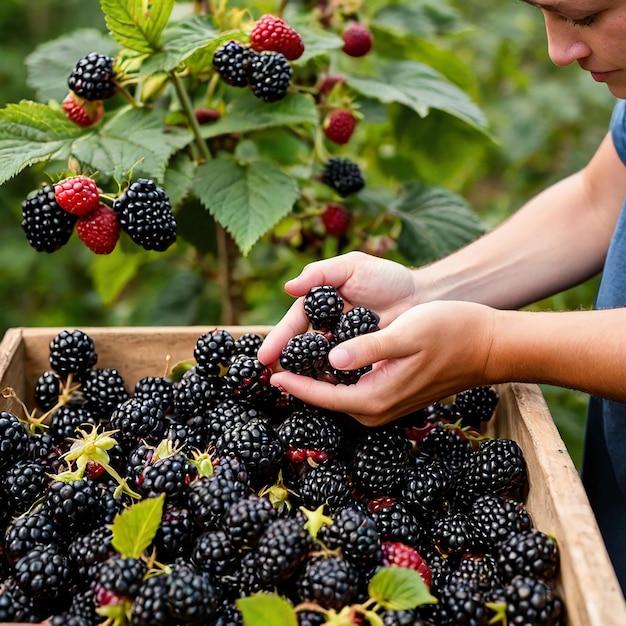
column 340, row 358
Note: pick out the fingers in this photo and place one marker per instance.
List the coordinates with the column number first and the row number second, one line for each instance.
column 335, row 271
column 293, row 323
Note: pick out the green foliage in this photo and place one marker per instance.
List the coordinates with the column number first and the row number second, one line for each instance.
column 134, row 528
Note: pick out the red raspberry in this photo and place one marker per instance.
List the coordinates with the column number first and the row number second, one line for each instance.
column 329, row 81
column 82, row 112
column 77, row 194
column 336, row 219
column 274, row 34
column 339, row 126
column 99, row 230
column 357, row 39
column 403, row 555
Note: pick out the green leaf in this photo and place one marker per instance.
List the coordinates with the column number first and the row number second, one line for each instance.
column 181, row 39
column 137, row 24
column 248, row 113
column 435, row 222
column 135, row 527
column 112, row 272
column 30, row 133
column 51, row 63
column 130, row 137
column 418, row 87
column 399, row 589
column 179, row 177
column 262, row 609
column 247, row 199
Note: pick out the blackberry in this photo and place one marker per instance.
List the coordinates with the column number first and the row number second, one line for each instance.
column 119, row 578
column 23, row 484
column 478, row 572
column 47, row 390
column 355, row 532
column 146, row 215
column 157, row 388
column 150, row 606
column 72, row 505
column 357, row 321
column 66, row 419
column 311, row 617
column 476, row 405
column 530, row 553
column 174, row 536
column 282, row 548
column 248, row 378
column 28, row 531
column 139, row 419
column 379, row 459
column 247, row 518
column 425, row 487
column 323, row 307
column 92, row 77
column 347, row 377
column 327, row 484
column 328, row 581
column 343, row 175
column 88, row 551
column 13, row 440
column 191, row 596
column 498, row 466
column 448, row 444
column 396, row 522
column 228, row 615
column 248, row 344
column 170, row 476
column 452, row 534
column 196, row 394
column 46, row 225
column 269, row 75
column 104, row 389
column 226, row 415
column 493, row 519
column 231, row 62
column 214, row 552
column 306, row 354
column 72, row 352
column 214, row 349
column 459, row 605
column 44, row 572
column 314, row 435
column 410, row 617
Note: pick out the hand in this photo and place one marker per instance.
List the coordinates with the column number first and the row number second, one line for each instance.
column 428, row 353
column 385, row 287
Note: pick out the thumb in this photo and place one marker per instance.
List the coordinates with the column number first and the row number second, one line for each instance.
column 362, row 350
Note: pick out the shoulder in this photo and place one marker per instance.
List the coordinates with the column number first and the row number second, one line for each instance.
column 618, row 128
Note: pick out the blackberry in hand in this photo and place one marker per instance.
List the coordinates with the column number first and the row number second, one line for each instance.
column 248, row 378
column 269, row 74
column 146, row 215
column 323, row 307
column 306, row 354
column 231, row 62
column 357, row 321
column 46, row 225
column 343, row 175
column 92, row 77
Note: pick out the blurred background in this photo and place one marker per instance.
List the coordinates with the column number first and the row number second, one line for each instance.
column 545, row 123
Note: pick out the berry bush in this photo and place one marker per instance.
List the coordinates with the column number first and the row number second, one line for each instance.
column 247, row 122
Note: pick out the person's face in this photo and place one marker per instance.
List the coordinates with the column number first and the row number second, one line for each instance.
column 590, row 32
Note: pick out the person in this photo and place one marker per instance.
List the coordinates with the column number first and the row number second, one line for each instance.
column 455, row 324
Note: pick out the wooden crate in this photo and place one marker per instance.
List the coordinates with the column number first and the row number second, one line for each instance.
column 557, row 501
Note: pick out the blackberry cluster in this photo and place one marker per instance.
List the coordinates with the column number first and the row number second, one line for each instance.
column 307, row 353
column 343, row 175
column 46, row 225
column 268, row 73
column 242, row 478
column 145, row 214
column 92, row 77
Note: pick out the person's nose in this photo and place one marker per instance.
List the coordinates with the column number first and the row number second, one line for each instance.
column 565, row 44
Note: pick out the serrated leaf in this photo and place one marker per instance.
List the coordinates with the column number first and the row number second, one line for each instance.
column 30, row 133
column 420, row 88
column 246, row 199
column 51, row 63
column 181, row 39
column 435, row 222
column 263, row 609
column 179, row 177
column 131, row 137
column 137, row 24
column 249, row 113
column 399, row 589
column 135, row 527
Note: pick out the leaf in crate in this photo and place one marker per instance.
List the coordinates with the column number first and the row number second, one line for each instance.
column 435, row 222
column 50, row 64
column 30, row 133
column 262, row 609
column 137, row 24
column 131, row 139
column 247, row 199
column 248, row 113
column 399, row 589
column 420, row 88
column 135, row 527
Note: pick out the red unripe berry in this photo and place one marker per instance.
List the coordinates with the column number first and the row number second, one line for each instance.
column 204, row 115
column 357, row 39
column 77, row 194
column 403, row 555
column 336, row 219
column 339, row 125
column 83, row 113
column 99, row 230
column 274, row 34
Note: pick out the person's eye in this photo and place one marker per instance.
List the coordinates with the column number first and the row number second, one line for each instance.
column 585, row 21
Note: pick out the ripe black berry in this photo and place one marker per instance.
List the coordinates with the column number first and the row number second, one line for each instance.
column 269, row 74
column 323, row 307
column 305, row 354
column 231, row 62
column 72, row 352
column 343, row 175
column 92, row 77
